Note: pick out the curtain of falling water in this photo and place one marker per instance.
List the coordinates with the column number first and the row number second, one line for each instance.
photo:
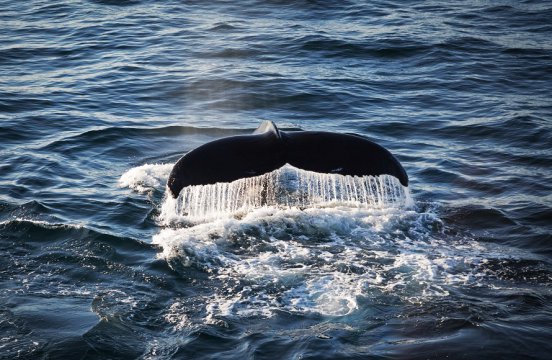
column 289, row 186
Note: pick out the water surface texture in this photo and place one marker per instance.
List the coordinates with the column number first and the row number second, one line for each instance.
column 98, row 99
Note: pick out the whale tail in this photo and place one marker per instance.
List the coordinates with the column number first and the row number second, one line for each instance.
column 268, row 149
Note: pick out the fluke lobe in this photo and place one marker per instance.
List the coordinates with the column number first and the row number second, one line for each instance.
column 268, row 149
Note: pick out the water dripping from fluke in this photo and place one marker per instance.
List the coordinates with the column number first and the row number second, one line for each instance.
column 268, row 149
column 286, row 187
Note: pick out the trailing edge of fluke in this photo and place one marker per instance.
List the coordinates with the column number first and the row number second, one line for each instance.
column 268, row 149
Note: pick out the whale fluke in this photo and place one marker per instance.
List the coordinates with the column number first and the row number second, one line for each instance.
column 268, row 149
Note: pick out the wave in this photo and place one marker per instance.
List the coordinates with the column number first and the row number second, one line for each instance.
column 113, row 134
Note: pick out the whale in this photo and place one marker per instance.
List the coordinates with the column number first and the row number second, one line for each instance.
column 268, row 148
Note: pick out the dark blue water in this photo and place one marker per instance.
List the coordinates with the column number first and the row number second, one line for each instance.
column 98, row 99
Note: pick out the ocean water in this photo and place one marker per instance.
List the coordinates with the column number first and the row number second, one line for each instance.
column 99, row 99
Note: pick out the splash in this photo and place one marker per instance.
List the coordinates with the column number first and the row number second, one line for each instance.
column 321, row 260
column 305, row 242
column 301, row 242
column 286, row 187
column 146, row 177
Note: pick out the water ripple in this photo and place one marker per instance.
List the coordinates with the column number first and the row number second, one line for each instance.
column 98, row 98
